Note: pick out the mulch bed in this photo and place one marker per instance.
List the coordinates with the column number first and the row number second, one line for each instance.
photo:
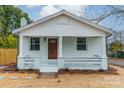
column 110, row 70
column 12, row 69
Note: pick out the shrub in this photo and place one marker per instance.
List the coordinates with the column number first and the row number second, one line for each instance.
column 8, row 42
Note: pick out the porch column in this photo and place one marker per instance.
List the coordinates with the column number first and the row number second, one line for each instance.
column 60, row 46
column 60, row 52
column 104, row 46
column 21, row 39
column 104, row 60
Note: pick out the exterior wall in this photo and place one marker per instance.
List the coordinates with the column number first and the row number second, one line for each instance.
column 70, row 27
column 43, row 52
column 94, row 47
column 69, row 48
column 35, row 59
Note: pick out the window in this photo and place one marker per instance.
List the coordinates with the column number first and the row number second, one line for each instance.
column 35, row 44
column 81, row 43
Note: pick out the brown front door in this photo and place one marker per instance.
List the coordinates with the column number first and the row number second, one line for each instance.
column 52, row 48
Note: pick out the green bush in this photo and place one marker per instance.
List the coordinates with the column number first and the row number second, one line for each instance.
column 9, row 41
column 120, row 54
column 115, row 47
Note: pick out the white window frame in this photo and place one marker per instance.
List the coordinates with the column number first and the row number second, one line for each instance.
column 82, row 43
column 34, row 44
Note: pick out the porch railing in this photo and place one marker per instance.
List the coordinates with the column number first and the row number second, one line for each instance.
column 35, row 62
column 74, row 63
column 82, row 63
column 29, row 62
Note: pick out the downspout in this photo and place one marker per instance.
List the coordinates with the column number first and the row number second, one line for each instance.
column 106, row 43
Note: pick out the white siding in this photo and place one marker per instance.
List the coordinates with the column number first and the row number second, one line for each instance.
column 94, row 47
column 43, row 52
column 72, row 28
column 37, row 53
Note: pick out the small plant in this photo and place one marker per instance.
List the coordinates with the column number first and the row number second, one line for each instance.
column 30, row 69
column 16, row 69
column 101, row 70
column 66, row 69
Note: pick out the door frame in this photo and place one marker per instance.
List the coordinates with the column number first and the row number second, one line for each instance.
column 56, row 48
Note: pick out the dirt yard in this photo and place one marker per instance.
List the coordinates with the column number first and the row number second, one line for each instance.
column 112, row 78
column 116, row 60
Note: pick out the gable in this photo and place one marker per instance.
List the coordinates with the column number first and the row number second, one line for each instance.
column 63, row 12
column 62, row 25
column 62, row 20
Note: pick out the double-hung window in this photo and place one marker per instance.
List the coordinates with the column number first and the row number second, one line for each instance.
column 81, row 43
column 35, row 44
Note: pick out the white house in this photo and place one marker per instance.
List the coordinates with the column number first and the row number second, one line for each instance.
column 62, row 40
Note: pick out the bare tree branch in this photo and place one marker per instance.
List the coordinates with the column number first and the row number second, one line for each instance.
column 102, row 17
column 117, row 11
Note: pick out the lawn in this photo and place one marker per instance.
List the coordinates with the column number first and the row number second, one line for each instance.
column 112, row 78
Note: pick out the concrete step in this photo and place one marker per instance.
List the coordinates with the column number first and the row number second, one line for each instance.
column 48, row 75
column 49, row 69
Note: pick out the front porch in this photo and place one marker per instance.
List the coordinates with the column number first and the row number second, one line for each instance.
column 65, row 55
column 64, row 63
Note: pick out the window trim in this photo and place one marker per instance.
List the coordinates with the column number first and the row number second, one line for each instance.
column 83, row 43
column 34, row 44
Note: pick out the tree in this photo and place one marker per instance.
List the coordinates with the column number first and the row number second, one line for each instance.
column 106, row 12
column 10, row 17
column 103, row 13
column 115, row 47
column 8, row 42
column 117, row 11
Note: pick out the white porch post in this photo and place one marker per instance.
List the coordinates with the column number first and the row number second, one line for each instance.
column 60, row 46
column 104, row 46
column 60, row 52
column 21, row 39
column 104, row 60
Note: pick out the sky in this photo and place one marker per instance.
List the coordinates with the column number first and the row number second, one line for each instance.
column 36, row 12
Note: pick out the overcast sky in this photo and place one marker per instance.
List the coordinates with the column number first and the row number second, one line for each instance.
column 36, row 12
